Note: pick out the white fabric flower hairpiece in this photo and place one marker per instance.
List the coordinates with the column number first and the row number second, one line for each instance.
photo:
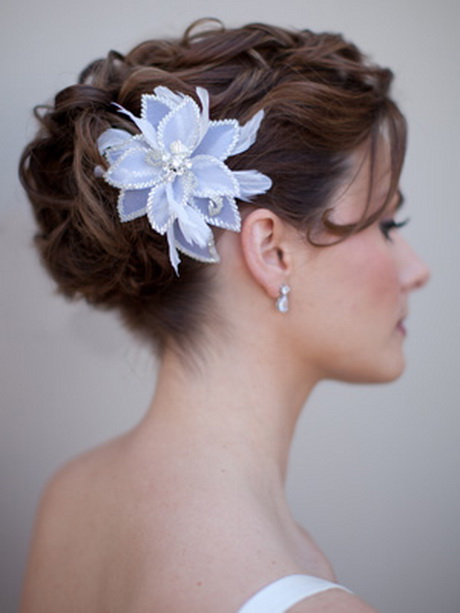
column 174, row 171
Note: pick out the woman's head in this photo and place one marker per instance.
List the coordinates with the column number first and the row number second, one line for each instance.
column 322, row 101
column 350, row 300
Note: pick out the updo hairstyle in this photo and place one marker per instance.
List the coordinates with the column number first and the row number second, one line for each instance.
column 321, row 98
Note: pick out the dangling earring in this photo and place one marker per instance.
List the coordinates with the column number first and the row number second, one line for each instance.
column 282, row 302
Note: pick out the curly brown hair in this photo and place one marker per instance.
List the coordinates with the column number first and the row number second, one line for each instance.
column 322, row 99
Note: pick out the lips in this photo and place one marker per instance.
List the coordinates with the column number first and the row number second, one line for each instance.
column 401, row 327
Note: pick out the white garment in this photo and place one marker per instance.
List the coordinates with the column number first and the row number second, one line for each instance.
column 279, row 596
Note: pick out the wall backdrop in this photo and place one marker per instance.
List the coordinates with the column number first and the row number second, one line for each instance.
column 375, row 469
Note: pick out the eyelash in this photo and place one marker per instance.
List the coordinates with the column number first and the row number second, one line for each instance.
column 388, row 225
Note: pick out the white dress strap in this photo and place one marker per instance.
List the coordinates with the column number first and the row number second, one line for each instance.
column 279, row 596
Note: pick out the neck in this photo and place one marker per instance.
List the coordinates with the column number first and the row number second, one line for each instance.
column 234, row 403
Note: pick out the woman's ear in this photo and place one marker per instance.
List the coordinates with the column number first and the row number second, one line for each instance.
column 266, row 243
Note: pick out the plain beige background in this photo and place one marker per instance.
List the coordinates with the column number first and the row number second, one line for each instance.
column 374, row 472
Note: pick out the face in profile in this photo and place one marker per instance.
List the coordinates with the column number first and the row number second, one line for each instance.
column 353, row 298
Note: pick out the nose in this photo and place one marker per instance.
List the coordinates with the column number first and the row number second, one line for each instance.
column 414, row 273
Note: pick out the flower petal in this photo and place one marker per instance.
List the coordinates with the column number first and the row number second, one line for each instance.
column 153, row 109
column 113, row 143
column 248, row 133
column 181, row 124
column 158, row 210
column 194, row 227
column 114, row 151
column 178, row 193
column 132, row 170
column 112, row 138
column 144, row 126
column 202, row 253
column 252, row 183
column 220, row 139
column 132, row 203
column 213, row 177
column 170, row 98
column 221, row 212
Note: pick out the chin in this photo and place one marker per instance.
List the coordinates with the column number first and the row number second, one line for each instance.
column 385, row 371
column 393, row 369
column 384, row 377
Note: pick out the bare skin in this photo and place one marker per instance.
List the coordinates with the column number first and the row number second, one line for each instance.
column 187, row 512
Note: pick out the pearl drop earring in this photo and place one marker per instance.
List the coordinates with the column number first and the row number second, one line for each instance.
column 282, row 302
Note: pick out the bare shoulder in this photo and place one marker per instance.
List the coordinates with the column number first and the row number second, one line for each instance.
column 63, row 541
column 75, row 484
column 333, row 601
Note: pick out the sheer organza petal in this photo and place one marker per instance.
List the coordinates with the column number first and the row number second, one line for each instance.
column 114, row 143
column 168, row 97
column 193, row 226
column 181, row 124
column 220, row 139
column 132, row 171
column 178, row 193
column 202, row 253
column 251, row 183
column 114, row 154
column 112, row 137
column 132, row 204
column 221, row 212
column 158, row 211
column 144, row 126
column 213, row 177
column 153, row 109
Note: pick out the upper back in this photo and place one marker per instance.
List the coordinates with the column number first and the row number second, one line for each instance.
column 111, row 537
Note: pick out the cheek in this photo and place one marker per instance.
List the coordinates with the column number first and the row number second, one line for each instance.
column 381, row 278
column 368, row 278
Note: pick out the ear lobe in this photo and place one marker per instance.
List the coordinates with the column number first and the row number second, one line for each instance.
column 265, row 246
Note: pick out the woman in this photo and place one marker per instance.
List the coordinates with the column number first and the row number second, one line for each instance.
column 233, row 195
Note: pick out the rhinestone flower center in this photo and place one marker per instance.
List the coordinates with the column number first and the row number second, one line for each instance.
column 174, row 164
column 177, row 162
